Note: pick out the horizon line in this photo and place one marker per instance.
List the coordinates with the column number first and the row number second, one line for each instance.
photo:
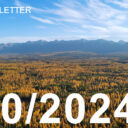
column 48, row 40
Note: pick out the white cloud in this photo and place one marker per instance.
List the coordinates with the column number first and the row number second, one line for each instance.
column 88, row 12
column 42, row 20
column 121, row 3
column 38, row 10
column 93, row 18
column 20, row 4
column 65, row 11
column 102, row 29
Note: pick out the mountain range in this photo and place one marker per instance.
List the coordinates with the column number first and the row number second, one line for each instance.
column 99, row 46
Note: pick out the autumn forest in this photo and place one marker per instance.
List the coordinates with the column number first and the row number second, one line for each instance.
column 63, row 77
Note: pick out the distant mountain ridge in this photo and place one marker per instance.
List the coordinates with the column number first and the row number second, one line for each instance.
column 99, row 46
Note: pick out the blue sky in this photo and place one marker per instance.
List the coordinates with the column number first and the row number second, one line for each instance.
column 65, row 19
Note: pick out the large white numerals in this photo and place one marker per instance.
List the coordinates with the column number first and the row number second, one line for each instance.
column 68, row 108
column 118, row 112
column 96, row 117
column 5, row 108
column 45, row 118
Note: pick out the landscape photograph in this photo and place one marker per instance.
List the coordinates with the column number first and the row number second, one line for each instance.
column 62, row 49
